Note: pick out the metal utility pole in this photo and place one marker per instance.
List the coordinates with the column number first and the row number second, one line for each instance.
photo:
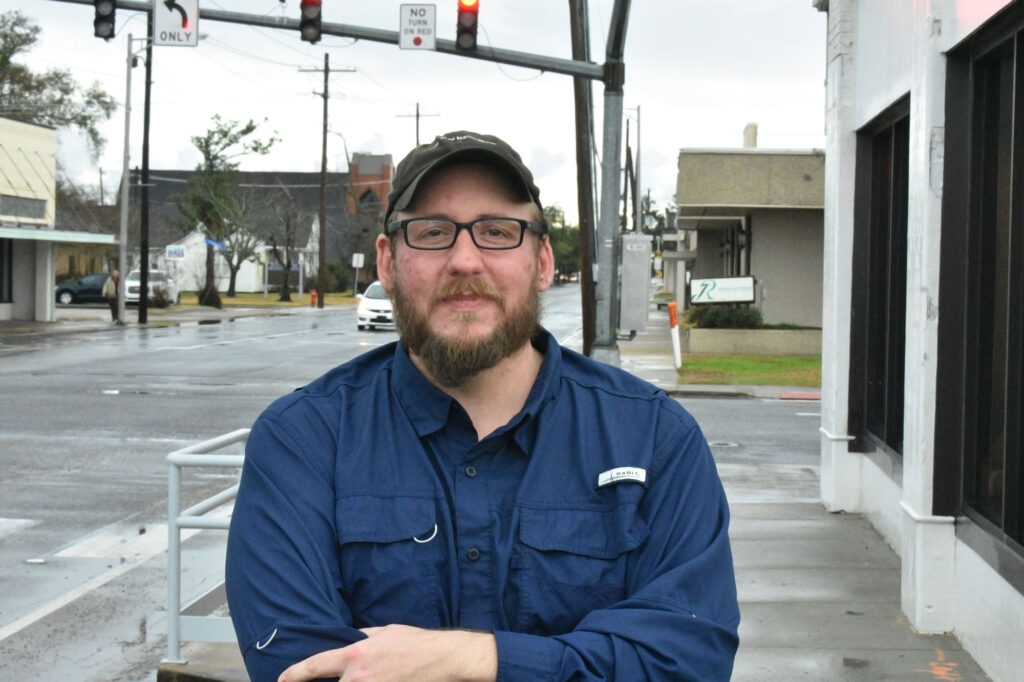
column 122, row 258
column 417, row 115
column 584, row 168
column 605, row 348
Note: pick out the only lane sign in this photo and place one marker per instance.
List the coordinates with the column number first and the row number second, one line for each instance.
column 176, row 22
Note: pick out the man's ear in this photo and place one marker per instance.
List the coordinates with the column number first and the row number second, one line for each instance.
column 385, row 261
column 545, row 265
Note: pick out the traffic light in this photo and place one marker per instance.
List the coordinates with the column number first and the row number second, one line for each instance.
column 103, row 23
column 465, row 29
column 309, row 24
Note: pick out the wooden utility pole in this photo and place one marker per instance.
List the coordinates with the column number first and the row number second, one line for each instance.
column 417, row 115
column 321, row 270
column 584, row 170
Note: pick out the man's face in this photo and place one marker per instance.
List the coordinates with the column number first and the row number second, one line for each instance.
column 463, row 309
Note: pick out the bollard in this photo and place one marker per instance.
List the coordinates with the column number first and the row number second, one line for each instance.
column 312, row 298
column 673, row 330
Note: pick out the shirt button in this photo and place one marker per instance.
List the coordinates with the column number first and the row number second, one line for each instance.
column 473, row 554
column 471, row 471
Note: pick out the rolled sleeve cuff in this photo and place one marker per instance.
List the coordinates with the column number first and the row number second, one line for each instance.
column 527, row 657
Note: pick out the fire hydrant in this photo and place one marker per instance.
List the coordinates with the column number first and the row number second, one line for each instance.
column 312, row 298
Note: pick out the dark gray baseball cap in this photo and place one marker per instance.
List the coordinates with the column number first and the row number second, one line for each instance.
column 461, row 145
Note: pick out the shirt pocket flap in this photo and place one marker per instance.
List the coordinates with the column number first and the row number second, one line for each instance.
column 604, row 534
column 371, row 518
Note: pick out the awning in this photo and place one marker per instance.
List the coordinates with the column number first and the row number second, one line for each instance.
column 56, row 235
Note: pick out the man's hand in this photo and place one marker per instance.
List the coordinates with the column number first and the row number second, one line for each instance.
column 400, row 653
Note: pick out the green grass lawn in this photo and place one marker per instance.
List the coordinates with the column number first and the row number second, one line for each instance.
column 256, row 300
column 754, row 370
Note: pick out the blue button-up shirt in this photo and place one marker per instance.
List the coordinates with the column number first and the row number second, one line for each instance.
column 589, row 534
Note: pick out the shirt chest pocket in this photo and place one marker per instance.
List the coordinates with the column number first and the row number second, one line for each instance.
column 573, row 561
column 392, row 554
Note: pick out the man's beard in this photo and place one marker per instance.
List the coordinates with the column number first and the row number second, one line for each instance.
column 451, row 362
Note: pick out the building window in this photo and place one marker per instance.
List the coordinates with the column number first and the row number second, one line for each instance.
column 6, row 261
column 22, row 207
column 878, row 308
column 980, row 411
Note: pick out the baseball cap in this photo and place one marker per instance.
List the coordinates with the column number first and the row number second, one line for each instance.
column 461, row 145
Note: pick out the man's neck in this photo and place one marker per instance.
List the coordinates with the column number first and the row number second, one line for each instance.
column 493, row 396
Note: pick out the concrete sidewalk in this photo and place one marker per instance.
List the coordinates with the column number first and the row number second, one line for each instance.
column 819, row 592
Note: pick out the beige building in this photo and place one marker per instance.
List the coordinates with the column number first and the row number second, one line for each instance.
column 28, row 240
column 752, row 212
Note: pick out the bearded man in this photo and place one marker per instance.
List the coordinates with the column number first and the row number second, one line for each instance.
column 475, row 502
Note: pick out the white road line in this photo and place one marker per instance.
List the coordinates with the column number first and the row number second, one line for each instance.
column 231, row 342
column 83, row 589
column 9, row 526
column 116, row 541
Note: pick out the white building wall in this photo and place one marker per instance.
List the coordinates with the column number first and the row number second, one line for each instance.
column 879, row 51
column 190, row 273
column 840, row 470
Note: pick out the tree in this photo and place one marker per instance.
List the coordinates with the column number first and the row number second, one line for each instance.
column 283, row 243
column 52, row 98
column 212, row 199
column 242, row 243
column 565, row 243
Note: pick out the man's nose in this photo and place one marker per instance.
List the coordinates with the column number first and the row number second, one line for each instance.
column 464, row 253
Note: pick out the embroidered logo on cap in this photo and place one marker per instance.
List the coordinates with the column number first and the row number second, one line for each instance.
column 621, row 475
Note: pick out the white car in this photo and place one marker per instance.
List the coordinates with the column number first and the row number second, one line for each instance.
column 374, row 309
column 158, row 282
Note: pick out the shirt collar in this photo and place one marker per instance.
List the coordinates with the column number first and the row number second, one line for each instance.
column 428, row 407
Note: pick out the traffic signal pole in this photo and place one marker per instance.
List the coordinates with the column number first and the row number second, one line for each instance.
column 611, row 73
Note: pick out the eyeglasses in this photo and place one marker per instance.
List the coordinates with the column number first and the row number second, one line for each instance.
column 436, row 234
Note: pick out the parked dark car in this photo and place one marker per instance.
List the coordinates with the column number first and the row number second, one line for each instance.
column 88, row 289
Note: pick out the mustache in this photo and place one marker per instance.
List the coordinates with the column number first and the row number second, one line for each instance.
column 469, row 287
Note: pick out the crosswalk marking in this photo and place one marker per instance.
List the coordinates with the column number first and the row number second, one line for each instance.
column 8, row 526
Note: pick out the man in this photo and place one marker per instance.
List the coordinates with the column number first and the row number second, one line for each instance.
column 109, row 292
column 476, row 502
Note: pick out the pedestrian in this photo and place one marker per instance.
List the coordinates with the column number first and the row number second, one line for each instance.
column 475, row 502
column 109, row 292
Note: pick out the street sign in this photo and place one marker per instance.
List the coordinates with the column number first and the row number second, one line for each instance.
column 722, row 290
column 176, row 22
column 417, row 27
column 357, row 260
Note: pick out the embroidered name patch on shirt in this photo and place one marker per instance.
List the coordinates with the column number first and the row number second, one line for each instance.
column 620, row 475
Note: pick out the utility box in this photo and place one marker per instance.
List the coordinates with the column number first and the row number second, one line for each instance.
column 635, row 282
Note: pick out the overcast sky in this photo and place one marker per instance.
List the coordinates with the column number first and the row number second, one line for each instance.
column 697, row 71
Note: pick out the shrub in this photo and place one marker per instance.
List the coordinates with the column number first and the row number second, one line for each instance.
column 341, row 274
column 159, row 299
column 724, row 317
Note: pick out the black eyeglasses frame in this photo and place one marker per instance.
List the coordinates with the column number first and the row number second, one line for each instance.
column 532, row 225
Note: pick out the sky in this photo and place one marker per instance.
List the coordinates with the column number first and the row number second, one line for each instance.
column 697, row 72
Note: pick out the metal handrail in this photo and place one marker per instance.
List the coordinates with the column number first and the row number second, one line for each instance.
column 179, row 626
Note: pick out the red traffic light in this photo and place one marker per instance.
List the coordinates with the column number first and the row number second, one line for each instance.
column 465, row 28
column 309, row 22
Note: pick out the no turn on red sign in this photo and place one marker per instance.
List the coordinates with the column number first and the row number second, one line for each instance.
column 417, row 27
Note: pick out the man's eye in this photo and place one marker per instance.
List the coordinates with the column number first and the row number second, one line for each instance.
column 497, row 231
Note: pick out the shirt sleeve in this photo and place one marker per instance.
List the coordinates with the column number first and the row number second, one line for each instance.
column 281, row 574
column 680, row 618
